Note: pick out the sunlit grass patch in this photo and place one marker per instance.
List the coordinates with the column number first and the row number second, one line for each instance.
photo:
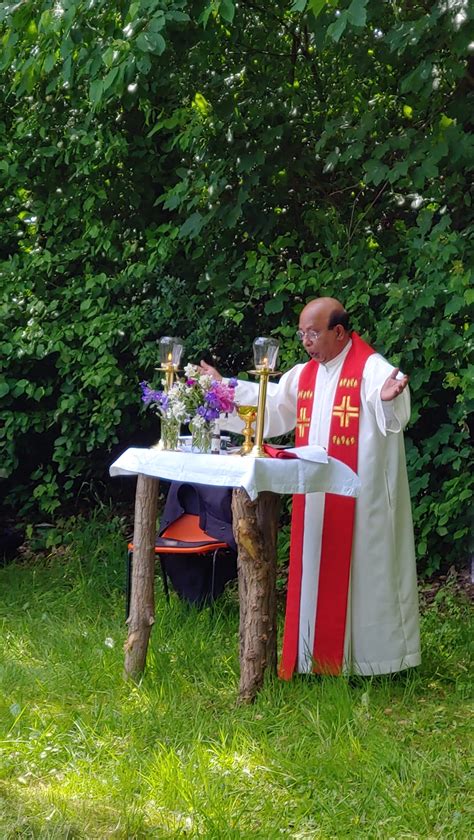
column 85, row 754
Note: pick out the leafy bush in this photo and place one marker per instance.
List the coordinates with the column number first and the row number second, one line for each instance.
column 194, row 168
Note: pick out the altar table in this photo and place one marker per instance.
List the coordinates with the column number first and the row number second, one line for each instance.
column 257, row 483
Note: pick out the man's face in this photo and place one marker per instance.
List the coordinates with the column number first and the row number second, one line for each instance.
column 327, row 344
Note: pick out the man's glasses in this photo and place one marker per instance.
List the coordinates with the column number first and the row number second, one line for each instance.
column 312, row 335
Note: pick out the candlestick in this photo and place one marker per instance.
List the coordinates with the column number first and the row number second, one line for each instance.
column 265, row 352
column 170, row 349
column 257, row 449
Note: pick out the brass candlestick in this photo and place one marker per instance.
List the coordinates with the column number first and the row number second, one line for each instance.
column 170, row 348
column 248, row 414
column 265, row 354
column 263, row 374
column 169, row 369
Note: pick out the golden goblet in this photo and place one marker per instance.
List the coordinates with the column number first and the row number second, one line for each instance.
column 247, row 413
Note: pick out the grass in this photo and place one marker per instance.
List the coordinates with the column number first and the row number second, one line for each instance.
column 85, row 754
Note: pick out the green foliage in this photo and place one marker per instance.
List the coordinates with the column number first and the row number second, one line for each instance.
column 203, row 168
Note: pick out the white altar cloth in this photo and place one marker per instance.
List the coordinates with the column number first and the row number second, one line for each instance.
column 279, row 475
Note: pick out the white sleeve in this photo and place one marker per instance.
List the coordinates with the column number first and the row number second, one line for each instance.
column 280, row 406
column 392, row 415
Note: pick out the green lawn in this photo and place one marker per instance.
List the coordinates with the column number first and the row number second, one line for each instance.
column 86, row 755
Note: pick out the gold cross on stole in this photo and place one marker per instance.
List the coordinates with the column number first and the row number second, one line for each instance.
column 302, row 422
column 345, row 411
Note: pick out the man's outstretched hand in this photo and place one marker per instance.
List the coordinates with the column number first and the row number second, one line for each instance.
column 211, row 371
column 392, row 386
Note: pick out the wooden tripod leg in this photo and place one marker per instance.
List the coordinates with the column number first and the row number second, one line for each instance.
column 255, row 526
column 142, row 601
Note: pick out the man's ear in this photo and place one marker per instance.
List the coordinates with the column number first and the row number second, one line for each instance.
column 340, row 331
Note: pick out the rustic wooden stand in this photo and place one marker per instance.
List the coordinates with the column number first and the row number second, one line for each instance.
column 255, row 529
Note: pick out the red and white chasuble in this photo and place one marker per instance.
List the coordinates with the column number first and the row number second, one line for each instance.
column 352, row 604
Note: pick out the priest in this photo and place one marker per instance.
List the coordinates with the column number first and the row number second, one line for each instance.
column 352, row 603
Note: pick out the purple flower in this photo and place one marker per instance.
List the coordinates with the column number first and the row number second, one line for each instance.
column 233, row 382
column 151, row 396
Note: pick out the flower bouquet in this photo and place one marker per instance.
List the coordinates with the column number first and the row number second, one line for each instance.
column 198, row 399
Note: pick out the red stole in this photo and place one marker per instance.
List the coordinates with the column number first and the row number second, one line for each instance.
column 338, row 520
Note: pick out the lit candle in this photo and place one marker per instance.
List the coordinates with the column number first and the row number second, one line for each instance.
column 171, row 349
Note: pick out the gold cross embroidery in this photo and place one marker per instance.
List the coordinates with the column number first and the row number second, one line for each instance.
column 302, row 422
column 345, row 411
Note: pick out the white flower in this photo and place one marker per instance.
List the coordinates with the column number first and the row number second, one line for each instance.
column 205, row 381
column 191, row 371
column 198, row 421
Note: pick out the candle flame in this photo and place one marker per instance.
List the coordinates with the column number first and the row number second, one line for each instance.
column 169, row 357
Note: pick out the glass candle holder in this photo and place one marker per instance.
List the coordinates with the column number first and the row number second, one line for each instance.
column 265, row 353
column 171, row 349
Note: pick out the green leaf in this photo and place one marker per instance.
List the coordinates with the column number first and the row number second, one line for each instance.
column 49, row 62
column 142, row 42
column 376, row 171
column 300, row 5
column 429, row 169
column 192, row 226
column 227, row 10
column 206, row 13
column 316, row 6
column 233, row 215
column 336, row 29
column 357, row 13
column 96, row 89
column 275, row 304
column 469, row 296
column 177, row 15
column 151, row 41
column 415, row 80
column 424, row 221
column 445, row 122
column 158, row 43
column 454, row 305
column 157, row 23
column 110, row 78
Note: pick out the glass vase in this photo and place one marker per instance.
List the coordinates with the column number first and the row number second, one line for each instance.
column 170, row 429
column 201, row 436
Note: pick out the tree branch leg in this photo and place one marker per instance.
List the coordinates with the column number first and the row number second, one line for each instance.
column 255, row 526
column 142, row 602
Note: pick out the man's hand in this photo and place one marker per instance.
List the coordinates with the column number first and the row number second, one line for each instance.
column 211, row 371
column 392, row 386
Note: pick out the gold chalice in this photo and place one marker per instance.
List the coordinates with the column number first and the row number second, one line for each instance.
column 247, row 413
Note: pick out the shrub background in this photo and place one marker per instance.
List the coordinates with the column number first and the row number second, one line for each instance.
column 204, row 169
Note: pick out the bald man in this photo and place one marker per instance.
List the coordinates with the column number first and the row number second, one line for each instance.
column 352, row 604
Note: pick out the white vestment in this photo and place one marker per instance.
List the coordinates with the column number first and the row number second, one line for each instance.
column 382, row 626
